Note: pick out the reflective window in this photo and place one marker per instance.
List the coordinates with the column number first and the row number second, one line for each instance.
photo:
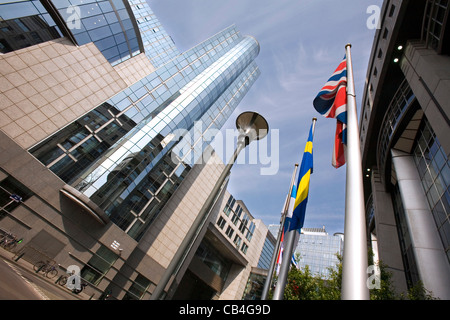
column 108, row 24
column 213, row 259
column 408, row 256
column 24, row 24
column 434, row 170
column 319, row 252
column 266, row 254
column 99, row 265
column 158, row 45
column 253, row 289
column 74, row 148
column 138, row 288
column 434, row 23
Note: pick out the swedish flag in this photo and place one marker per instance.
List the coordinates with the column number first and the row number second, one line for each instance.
column 306, row 168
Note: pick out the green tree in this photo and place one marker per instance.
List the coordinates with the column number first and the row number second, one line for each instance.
column 418, row 292
column 385, row 291
column 302, row 285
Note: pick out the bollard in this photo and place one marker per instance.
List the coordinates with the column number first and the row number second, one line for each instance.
column 20, row 256
column 40, row 268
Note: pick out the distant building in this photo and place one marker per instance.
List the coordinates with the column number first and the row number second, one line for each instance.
column 231, row 260
column 316, row 249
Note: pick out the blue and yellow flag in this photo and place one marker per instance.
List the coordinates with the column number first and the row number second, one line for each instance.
column 306, row 168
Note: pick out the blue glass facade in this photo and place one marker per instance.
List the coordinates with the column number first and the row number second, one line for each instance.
column 158, row 45
column 266, row 254
column 109, row 24
column 120, row 154
column 25, row 23
column 319, row 253
column 120, row 29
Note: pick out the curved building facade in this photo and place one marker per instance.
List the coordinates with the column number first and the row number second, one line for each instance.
column 405, row 142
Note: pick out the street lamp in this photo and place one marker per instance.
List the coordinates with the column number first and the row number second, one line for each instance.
column 251, row 127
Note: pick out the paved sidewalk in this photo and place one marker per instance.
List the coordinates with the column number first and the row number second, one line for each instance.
column 46, row 287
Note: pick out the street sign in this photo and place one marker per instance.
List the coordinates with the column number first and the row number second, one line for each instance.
column 16, row 198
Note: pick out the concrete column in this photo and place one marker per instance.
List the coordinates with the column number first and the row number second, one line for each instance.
column 432, row 263
column 386, row 233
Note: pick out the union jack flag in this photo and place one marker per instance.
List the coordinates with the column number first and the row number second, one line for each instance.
column 331, row 102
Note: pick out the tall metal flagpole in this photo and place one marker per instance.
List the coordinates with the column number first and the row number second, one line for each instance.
column 273, row 262
column 354, row 264
column 288, row 250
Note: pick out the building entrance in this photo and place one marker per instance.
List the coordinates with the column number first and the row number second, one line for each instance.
column 192, row 287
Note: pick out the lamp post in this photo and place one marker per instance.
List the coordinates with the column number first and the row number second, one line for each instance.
column 251, row 127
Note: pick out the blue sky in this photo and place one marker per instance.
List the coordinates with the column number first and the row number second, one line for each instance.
column 302, row 43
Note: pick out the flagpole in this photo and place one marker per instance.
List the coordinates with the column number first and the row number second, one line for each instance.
column 273, row 262
column 288, row 250
column 354, row 264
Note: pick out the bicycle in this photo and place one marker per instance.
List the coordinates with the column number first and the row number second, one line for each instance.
column 48, row 269
column 63, row 280
column 9, row 241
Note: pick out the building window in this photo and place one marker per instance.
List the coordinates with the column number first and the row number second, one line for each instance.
column 99, row 265
column 380, row 54
column 266, row 254
column 254, row 287
column 237, row 241
column 231, row 201
column 392, row 11
column 108, row 24
column 235, row 219
column 434, row 170
column 137, row 289
column 409, row 260
column 74, row 148
column 229, row 231
column 244, row 222
column 24, row 24
column 213, row 259
column 434, row 22
column 244, row 248
column 250, row 231
column 221, row 222
column 229, row 205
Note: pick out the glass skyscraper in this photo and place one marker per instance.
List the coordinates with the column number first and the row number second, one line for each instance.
column 103, row 108
column 316, row 249
column 120, row 154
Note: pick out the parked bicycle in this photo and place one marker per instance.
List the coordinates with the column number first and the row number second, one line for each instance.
column 63, row 281
column 9, row 241
column 47, row 268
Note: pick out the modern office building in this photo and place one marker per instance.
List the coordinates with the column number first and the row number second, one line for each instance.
column 405, row 143
column 102, row 121
column 319, row 251
column 227, row 264
column 316, row 249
